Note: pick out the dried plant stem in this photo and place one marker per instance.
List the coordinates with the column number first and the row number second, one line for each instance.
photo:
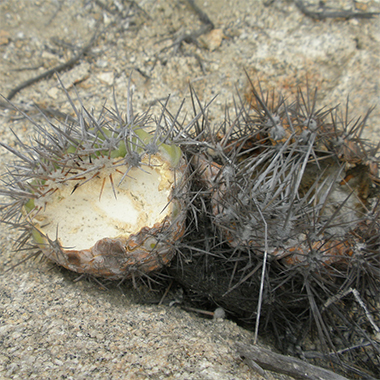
column 287, row 365
column 63, row 66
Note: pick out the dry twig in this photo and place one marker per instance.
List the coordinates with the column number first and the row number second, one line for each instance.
column 63, row 66
column 287, row 365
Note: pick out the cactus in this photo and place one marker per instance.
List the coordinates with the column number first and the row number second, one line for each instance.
column 288, row 233
column 103, row 196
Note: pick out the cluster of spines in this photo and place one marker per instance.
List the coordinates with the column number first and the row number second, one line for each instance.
column 265, row 183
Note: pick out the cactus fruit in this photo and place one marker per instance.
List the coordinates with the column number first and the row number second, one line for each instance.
column 101, row 195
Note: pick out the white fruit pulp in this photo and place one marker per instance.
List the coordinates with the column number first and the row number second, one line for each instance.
column 81, row 217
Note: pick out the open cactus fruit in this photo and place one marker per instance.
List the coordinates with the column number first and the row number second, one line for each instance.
column 101, row 196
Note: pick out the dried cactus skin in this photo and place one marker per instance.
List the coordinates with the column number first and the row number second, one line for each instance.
column 300, row 184
column 105, row 196
column 121, row 258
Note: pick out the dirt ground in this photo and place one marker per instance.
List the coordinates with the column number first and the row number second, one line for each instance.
column 139, row 41
column 278, row 44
